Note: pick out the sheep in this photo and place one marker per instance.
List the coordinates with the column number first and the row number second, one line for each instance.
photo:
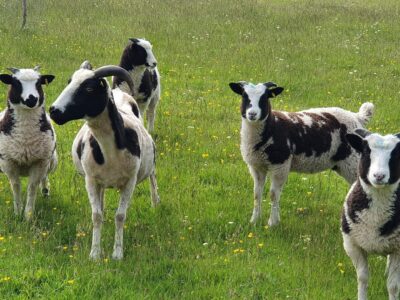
column 138, row 59
column 112, row 149
column 370, row 220
column 277, row 142
column 27, row 138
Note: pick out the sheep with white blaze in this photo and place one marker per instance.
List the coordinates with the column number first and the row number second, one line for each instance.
column 278, row 142
column 27, row 138
column 138, row 59
column 112, row 149
column 371, row 211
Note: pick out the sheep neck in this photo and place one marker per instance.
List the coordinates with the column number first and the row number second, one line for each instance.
column 108, row 129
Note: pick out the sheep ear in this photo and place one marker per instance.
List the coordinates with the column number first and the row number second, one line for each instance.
column 237, row 87
column 46, row 79
column 355, row 141
column 6, row 78
column 134, row 40
column 274, row 91
column 362, row 132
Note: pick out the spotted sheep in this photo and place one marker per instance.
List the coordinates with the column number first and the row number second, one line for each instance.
column 371, row 211
column 277, row 142
column 27, row 138
column 112, row 149
column 138, row 59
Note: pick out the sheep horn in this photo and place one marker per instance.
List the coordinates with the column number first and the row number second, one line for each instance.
column 270, row 84
column 117, row 72
column 36, row 68
column 13, row 70
column 86, row 65
column 362, row 132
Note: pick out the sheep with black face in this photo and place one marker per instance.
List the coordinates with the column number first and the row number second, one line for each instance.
column 27, row 138
column 278, row 142
column 138, row 59
column 112, row 149
column 371, row 212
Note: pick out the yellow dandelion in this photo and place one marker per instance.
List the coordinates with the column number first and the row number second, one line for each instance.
column 2, row 238
column 71, row 281
column 204, row 155
column 250, row 235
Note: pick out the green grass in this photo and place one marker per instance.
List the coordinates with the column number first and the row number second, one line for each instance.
column 198, row 244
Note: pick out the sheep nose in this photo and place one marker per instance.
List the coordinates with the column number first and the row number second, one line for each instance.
column 379, row 176
column 154, row 64
column 31, row 101
column 252, row 115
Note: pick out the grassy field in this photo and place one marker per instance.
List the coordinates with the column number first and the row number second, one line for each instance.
column 198, row 244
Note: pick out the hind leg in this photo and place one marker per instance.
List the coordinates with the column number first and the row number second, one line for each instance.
column 45, row 186
column 155, row 199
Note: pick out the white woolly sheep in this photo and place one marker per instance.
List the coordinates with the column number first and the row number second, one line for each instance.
column 371, row 212
column 112, row 149
column 138, row 59
column 277, row 142
column 27, row 138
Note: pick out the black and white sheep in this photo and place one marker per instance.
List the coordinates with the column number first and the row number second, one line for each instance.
column 27, row 138
column 112, row 149
column 138, row 59
column 371, row 212
column 278, row 142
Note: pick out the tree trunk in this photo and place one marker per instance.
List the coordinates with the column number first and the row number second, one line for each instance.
column 23, row 13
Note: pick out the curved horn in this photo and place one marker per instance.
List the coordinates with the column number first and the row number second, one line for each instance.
column 13, row 70
column 117, row 72
column 86, row 65
column 362, row 132
column 36, row 68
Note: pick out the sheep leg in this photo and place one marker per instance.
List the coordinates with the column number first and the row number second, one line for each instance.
column 393, row 280
column 45, row 186
column 360, row 262
column 120, row 217
column 155, row 199
column 94, row 190
column 151, row 114
column 278, row 179
column 35, row 177
column 259, row 183
column 13, row 176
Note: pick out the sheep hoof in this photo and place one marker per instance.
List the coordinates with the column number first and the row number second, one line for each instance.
column 155, row 201
column 95, row 254
column 273, row 222
column 45, row 192
column 28, row 215
column 117, row 254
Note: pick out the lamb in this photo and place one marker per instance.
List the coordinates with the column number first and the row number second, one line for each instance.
column 138, row 59
column 371, row 211
column 277, row 142
column 112, row 149
column 27, row 138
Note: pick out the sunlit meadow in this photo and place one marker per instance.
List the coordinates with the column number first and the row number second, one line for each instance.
column 198, row 244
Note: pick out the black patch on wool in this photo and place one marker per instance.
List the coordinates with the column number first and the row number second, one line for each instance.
column 44, row 123
column 390, row 226
column 79, row 149
column 7, row 122
column 345, row 225
column 356, row 202
column 365, row 162
column 124, row 137
column 344, row 149
column 132, row 142
column 308, row 140
column 135, row 109
column 96, row 151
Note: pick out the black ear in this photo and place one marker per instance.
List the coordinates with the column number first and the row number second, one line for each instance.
column 274, row 91
column 46, row 79
column 237, row 87
column 362, row 132
column 397, row 135
column 355, row 141
column 6, row 78
column 134, row 40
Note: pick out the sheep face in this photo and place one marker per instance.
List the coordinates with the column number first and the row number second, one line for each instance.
column 380, row 157
column 85, row 96
column 140, row 53
column 26, row 87
column 255, row 99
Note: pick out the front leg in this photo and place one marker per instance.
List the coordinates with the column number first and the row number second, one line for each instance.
column 259, row 183
column 36, row 174
column 155, row 199
column 278, row 179
column 360, row 262
column 13, row 176
column 120, row 217
column 393, row 272
column 94, row 191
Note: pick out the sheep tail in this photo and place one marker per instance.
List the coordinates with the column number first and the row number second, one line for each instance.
column 366, row 112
